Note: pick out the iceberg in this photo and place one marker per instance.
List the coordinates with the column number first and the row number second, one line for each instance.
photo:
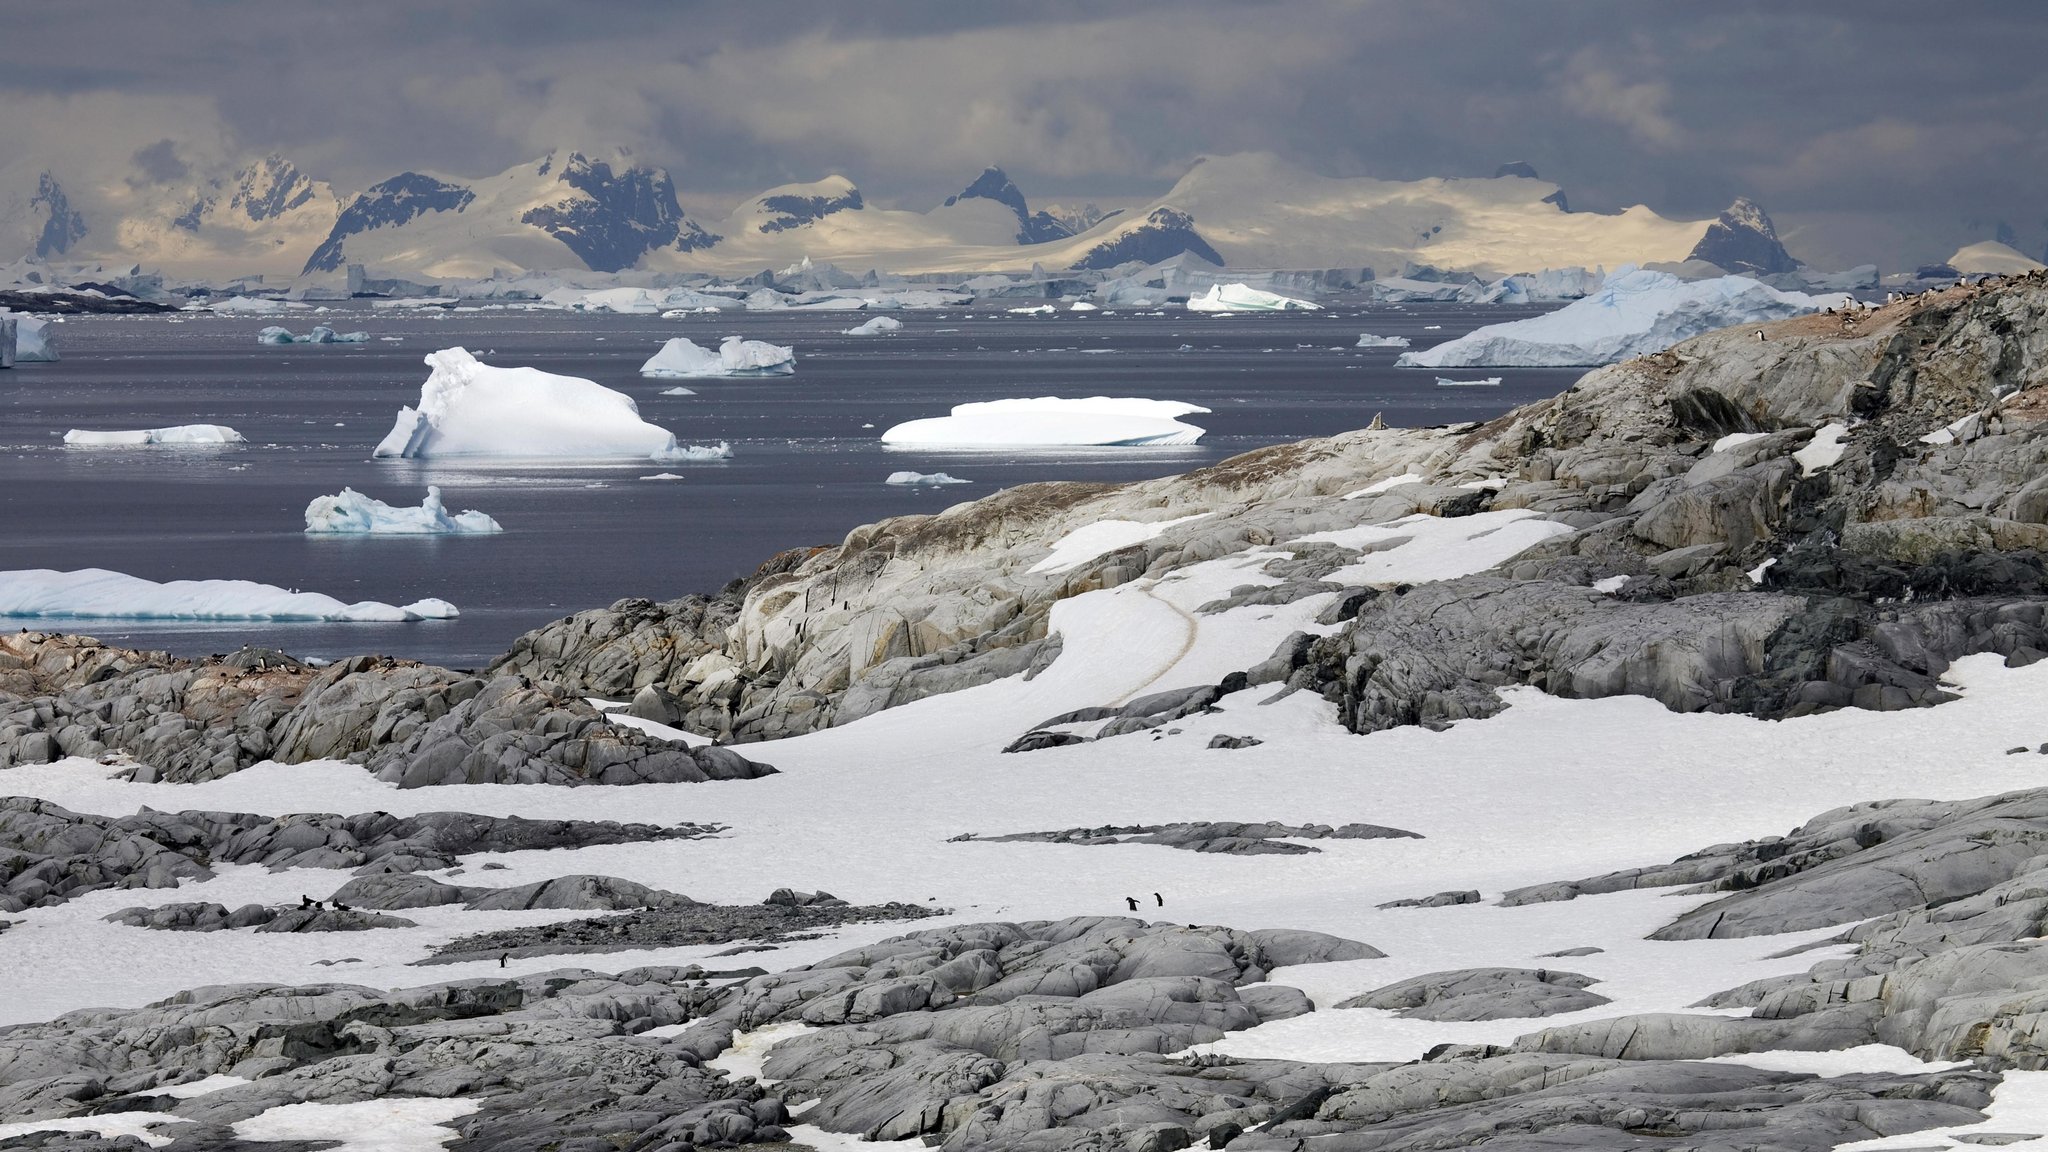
column 468, row 408
column 248, row 305
column 1486, row 382
column 34, row 342
column 183, row 434
column 695, row 453
column 1368, row 340
column 353, row 514
column 1245, row 298
column 1637, row 312
column 678, row 390
column 682, row 358
column 1033, row 310
column 95, row 593
column 1052, row 421
column 876, row 327
column 321, row 334
column 923, row 478
column 1083, row 306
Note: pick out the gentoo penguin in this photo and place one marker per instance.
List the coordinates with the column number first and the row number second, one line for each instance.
column 1160, row 899
column 1132, row 901
column 1759, row 335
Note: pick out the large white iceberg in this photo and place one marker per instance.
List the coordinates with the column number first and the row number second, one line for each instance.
column 468, row 408
column 321, row 334
column 1245, row 298
column 96, row 593
column 1053, row 421
column 682, row 358
column 876, row 327
column 183, row 434
column 353, row 514
column 34, row 341
column 1637, row 312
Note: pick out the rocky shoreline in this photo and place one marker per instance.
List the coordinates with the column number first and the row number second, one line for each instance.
column 1825, row 518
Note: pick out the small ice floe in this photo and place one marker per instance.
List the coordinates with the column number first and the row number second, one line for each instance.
column 95, row 593
column 920, row 479
column 1368, row 340
column 880, row 325
column 353, row 514
column 1053, row 421
column 685, row 358
column 321, row 334
column 183, row 434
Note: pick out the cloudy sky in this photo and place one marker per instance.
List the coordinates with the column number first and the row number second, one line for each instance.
column 1870, row 130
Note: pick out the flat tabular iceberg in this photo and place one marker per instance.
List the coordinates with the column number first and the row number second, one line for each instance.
column 353, row 514
column 321, row 334
column 682, row 358
column 876, row 326
column 923, row 478
column 95, row 593
column 468, row 408
column 1245, row 298
column 194, row 434
column 1634, row 314
column 1368, row 340
column 1053, row 421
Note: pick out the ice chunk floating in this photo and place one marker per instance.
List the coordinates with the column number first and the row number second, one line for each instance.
column 353, row 514
column 876, row 327
column 682, row 358
column 321, row 334
column 1368, row 340
column 1053, row 421
column 33, row 340
column 1245, row 298
column 95, row 593
column 468, row 408
column 183, row 434
column 1634, row 314
column 919, row 479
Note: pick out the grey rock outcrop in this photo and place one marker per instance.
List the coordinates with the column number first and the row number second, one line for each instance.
column 1227, row 836
column 49, row 854
column 672, row 925
column 1483, row 994
column 411, row 724
column 586, row 893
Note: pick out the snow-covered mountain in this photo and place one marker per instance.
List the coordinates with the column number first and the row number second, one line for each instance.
column 575, row 210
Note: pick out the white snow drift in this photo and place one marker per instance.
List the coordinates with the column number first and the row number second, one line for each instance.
column 1053, row 421
column 876, row 327
column 183, row 434
column 468, row 408
column 96, row 593
column 1635, row 313
column 353, row 514
column 1245, row 298
column 682, row 358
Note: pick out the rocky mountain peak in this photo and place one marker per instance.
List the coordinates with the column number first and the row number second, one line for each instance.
column 388, row 204
column 62, row 225
column 613, row 218
column 1744, row 240
column 1032, row 228
column 270, row 188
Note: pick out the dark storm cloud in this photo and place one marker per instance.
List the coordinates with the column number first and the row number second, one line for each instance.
column 1871, row 127
column 159, row 162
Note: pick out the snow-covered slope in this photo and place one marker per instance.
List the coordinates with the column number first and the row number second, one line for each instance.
column 1992, row 258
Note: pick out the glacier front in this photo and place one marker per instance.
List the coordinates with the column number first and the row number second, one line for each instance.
column 1053, row 421
column 96, row 593
column 469, row 408
column 1637, row 312
column 353, row 514
column 685, row 359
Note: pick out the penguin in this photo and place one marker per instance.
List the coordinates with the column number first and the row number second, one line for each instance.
column 503, row 957
column 1132, row 901
column 1759, row 335
column 340, row 907
column 305, row 901
column 1158, row 899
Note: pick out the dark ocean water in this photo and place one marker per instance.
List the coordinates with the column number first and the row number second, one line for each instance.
column 806, row 465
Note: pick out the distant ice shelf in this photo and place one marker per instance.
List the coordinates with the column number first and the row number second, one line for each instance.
column 353, row 514
column 96, row 593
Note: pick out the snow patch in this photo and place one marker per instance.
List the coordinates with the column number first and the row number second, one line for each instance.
column 393, row 1124
column 1737, row 439
column 1089, row 541
column 1823, row 451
